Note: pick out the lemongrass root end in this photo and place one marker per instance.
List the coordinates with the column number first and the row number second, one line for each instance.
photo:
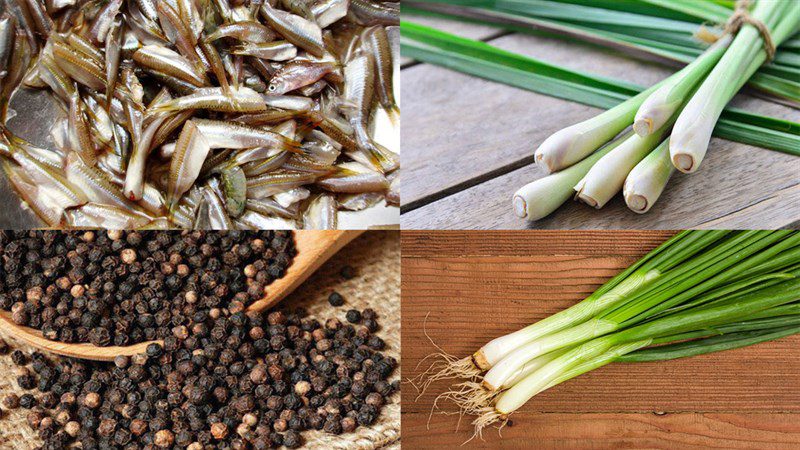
column 643, row 127
column 585, row 198
column 520, row 207
column 683, row 162
column 637, row 203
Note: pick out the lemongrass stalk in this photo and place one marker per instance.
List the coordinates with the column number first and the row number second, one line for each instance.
column 692, row 132
column 607, row 176
column 566, row 147
column 665, row 101
column 647, row 180
column 540, row 198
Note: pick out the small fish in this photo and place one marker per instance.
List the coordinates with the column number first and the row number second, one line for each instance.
column 270, row 117
column 103, row 21
column 240, row 100
column 79, row 67
column 268, row 164
column 85, row 47
column 270, row 207
column 94, row 215
column 21, row 56
column 321, row 213
column 369, row 12
column 290, row 102
column 101, row 123
column 80, row 136
column 54, row 77
column 48, row 177
column 297, row 74
column 299, row 7
column 217, row 67
column 217, row 214
column 292, row 197
column 219, row 134
column 303, row 163
column 252, row 220
column 112, row 59
column 275, row 51
column 246, row 31
column 49, row 207
column 134, row 176
column 190, row 153
column 93, row 183
column 328, row 12
column 272, row 183
column 182, row 36
column 162, row 59
column 359, row 90
column 187, row 10
column 360, row 202
column 234, row 188
column 354, row 178
column 148, row 8
column 8, row 26
column 378, row 44
column 297, row 30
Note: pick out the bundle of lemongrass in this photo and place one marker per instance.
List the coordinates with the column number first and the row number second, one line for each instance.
column 672, row 122
column 699, row 292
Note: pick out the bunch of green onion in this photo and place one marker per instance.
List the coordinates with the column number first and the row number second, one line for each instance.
column 697, row 293
column 672, row 124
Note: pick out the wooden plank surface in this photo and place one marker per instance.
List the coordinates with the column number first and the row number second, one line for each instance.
column 468, row 146
column 464, row 288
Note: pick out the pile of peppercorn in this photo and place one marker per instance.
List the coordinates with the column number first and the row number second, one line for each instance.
column 125, row 287
column 237, row 381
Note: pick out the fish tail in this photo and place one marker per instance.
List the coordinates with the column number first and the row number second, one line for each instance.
column 292, row 146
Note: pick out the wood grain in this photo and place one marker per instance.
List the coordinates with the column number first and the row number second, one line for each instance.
column 468, row 146
column 461, row 296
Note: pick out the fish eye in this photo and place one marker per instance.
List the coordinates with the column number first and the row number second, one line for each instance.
column 271, row 88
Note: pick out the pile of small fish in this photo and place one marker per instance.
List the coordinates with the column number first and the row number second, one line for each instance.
column 206, row 114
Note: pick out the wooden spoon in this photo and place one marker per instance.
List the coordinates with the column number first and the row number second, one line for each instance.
column 313, row 249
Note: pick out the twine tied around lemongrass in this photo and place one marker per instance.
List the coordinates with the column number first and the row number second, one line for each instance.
column 740, row 17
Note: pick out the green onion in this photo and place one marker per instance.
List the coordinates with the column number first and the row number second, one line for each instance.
column 699, row 292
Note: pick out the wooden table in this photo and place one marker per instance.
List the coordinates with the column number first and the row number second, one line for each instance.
column 468, row 146
column 473, row 287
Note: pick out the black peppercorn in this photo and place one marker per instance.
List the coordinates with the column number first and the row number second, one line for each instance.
column 27, row 401
column 353, row 316
column 336, row 299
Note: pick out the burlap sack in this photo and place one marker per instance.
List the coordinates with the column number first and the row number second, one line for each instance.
column 376, row 258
